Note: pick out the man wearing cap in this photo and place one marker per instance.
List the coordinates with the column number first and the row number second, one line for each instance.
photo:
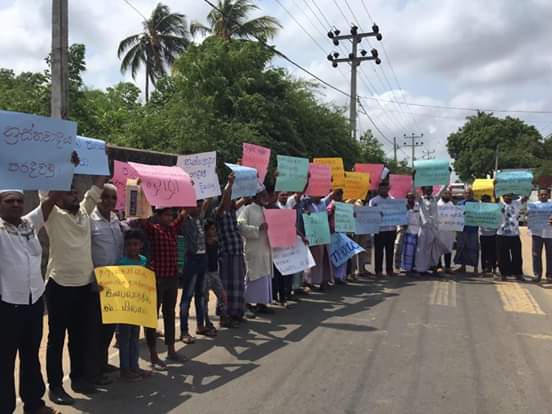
column 21, row 301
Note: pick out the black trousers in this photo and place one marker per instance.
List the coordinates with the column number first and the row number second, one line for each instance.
column 167, row 291
column 384, row 240
column 281, row 286
column 448, row 261
column 22, row 326
column 98, row 339
column 488, row 252
column 68, row 312
column 509, row 255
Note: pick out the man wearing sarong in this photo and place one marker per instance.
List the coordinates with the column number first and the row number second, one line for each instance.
column 410, row 240
column 258, row 256
column 467, row 241
column 430, row 247
column 231, row 260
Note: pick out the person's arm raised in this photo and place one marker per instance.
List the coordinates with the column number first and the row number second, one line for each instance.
column 226, row 201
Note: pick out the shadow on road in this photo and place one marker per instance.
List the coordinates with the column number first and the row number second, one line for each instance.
column 244, row 347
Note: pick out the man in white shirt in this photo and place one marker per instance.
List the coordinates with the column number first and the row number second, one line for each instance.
column 544, row 238
column 21, row 302
column 508, row 241
column 385, row 239
column 69, row 291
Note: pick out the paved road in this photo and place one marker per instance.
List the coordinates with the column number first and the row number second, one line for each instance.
column 403, row 345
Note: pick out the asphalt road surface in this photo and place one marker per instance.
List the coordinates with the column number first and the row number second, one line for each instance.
column 460, row 345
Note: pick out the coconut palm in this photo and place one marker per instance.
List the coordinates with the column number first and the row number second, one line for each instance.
column 165, row 35
column 229, row 20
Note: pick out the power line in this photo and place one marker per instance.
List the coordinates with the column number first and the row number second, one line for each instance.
column 133, row 7
column 458, row 108
column 365, row 79
column 403, row 117
column 301, row 26
column 285, row 57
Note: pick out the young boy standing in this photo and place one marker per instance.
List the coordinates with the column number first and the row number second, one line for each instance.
column 128, row 335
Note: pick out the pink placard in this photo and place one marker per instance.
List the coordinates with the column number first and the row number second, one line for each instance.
column 399, row 185
column 256, row 157
column 320, row 180
column 121, row 173
column 375, row 173
column 166, row 186
column 281, row 227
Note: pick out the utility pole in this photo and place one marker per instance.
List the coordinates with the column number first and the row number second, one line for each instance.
column 496, row 160
column 413, row 144
column 59, row 61
column 395, row 148
column 355, row 61
column 428, row 154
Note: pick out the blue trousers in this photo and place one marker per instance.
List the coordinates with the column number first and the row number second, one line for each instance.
column 128, row 345
column 193, row 285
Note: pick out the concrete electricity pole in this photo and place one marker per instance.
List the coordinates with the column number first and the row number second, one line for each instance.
column 395, row 148
column 355, row 61
column 413, row 144
column 428, row 154
column 59, row 61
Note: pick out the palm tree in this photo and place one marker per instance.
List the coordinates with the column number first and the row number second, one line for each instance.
column 229, row 20
column 165, row 35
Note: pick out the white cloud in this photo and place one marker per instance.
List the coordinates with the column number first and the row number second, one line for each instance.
column 492, row 54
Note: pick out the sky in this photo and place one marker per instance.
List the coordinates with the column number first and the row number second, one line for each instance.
column 492, row 54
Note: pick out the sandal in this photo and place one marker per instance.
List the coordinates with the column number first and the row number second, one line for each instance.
column 187, row 339
column 210, row 332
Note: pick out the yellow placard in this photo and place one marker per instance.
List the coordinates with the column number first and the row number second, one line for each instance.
column 128, row 295
column 483, row 186
column 357, row 185
column 338, row 170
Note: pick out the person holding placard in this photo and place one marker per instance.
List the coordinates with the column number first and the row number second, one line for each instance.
column 72, row 297
column 107, row 249
column 446, row 237
column 258, row 257
column 510, row 261
column 430, row 247
column 339, row 273
column 385, row 239
column 487, row 240
column 193, row 277
column 22, row 301
column 361, row 260
column 544, row 238
column 319, row 274
column 408, row 252
column 467, row 241
column 162, row 237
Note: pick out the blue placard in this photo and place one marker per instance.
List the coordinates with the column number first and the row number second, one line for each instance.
column 367, row 220
column 393, row 211
column 35, row 152
column 344, row 218
column 538, row 216
column 342, row 249
column 92, row 156
column 317, row 228
column 430, row 172
column 245, row 183
column 486, row 215
column 514, row 182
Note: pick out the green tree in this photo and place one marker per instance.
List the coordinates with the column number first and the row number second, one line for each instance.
column 474, row 145
column 229, row 20
column 371, row 150
column 222, row 94
column 165, row 35
column 27, row 92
